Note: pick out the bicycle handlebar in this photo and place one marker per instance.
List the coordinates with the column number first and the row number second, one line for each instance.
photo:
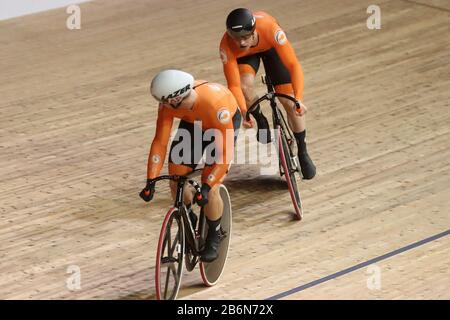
column 195, row 184
column 270, row 96
column 177, row 178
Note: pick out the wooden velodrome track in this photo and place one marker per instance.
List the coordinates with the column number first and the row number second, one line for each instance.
column 77, row 121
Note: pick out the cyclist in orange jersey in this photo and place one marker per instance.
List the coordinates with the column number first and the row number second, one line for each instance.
column 210, row 120
column 248, row 39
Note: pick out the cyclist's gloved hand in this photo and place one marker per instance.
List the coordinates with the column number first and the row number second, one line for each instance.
column 202, row 197
column 147, row 193
column 300, row 108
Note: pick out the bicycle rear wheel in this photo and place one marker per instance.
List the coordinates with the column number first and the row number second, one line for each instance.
column 289, row 166
column 169, row 257
column 212, row 271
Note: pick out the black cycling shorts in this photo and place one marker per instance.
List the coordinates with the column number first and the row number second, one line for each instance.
column 193, row 159
column 273, row 66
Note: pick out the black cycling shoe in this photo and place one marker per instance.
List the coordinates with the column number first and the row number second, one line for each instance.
column 263, row 133
column 307, row 166
column 210, row 252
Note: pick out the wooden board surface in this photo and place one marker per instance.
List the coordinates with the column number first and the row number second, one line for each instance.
column 77, row 121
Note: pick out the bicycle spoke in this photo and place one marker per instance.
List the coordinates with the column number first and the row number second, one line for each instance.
column 167, row 282
column 175, row 275
column 176, row 244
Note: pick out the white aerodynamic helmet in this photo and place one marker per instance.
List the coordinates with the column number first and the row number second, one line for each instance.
column 171, row 86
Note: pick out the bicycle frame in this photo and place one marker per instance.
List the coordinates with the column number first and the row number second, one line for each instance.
column 191, row 238
column 287, row 161
column 278, row 117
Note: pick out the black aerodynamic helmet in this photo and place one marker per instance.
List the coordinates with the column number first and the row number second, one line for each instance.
column 240, row 22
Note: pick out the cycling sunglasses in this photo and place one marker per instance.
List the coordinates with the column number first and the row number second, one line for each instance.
column 175, row 103
column 242, row 30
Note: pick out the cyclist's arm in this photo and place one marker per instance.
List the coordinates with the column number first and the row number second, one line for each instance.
column 231, row 71
column 224, row 150
column 289, row 59
column 158, row 149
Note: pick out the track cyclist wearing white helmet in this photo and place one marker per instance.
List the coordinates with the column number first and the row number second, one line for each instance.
column 203, row 108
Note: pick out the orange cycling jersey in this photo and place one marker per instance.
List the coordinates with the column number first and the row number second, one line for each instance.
column 270, row 35
column 214, row 107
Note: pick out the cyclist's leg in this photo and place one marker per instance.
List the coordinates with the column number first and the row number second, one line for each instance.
column 214, row 208
column 248, row 67
column 281, row 79
column 188, row 192
column 213, row 212
column 298, row 127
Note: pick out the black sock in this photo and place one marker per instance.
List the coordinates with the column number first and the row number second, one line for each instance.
column 213, row 225
column 301, row 143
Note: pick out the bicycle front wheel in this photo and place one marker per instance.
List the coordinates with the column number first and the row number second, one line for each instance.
column 289, row 166
column 169, row 257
